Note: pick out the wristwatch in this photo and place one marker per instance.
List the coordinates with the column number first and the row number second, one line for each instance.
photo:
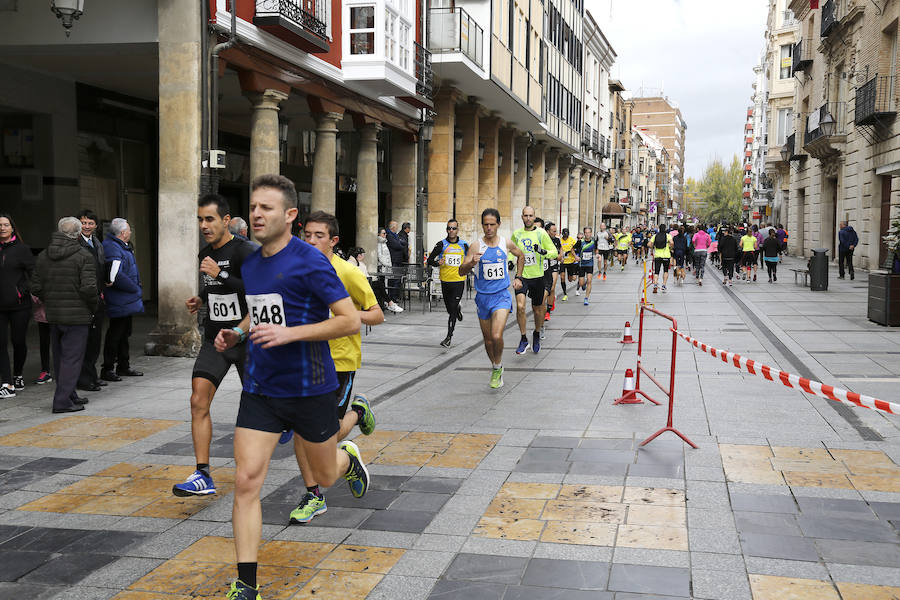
column 222, row 276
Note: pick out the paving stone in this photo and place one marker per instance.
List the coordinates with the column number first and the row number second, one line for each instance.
column 387, row 482
column 17, row 563
column 573, row 552
column 886, row 510
column 668, row 471
column 486, row 568
column 571, row 574
column 439, row 485
column 713, row 540
column 778, row 546
column 392, row 587
column 710, row 518
column 408, row 521
column 422, row 563
column 386, row 539
column 533, row 454
column 647, row 579
column 27, row 591
column 446, row 589
column 716, row 562
column 859, row 553
column 838, row 528
column 446, row 543
column 630, row 596
column 543, row 466
column 420, row 501
column 116, row 543
column 608, row 443
column 720, row 585
column 598, row 468
column 623, row 457
column 515, row 592
column 888, row 576
column 452, row 524
column 480, row 545
column 761, row 503
column 648, row 556
column 122, row 572
column 853, row 508
column 42, row 539
column 771, row 523
column 785, row 568
column 50, row 464
column 68, row 569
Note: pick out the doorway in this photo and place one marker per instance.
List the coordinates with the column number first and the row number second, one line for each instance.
column 828, row 223
column 885, row 218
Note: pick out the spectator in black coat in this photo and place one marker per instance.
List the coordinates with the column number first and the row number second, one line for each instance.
column 16, row 266
column 89, row 380
column 398, row 249
column 847, row 242
column 405, row 230
column 65, row 280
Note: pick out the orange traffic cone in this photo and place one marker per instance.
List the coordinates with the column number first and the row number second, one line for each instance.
column 628, row 394
column 627, row 339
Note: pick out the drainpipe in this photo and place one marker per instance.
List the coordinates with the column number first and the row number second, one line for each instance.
column 214, row 87
column 204, row 108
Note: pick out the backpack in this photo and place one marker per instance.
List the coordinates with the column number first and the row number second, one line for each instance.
column 660, row 241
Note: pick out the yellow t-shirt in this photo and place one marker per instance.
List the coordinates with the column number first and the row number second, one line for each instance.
column 623, row 241
column 567, row 245
column 748, row 243
column 454, row 254
column 346, row 352
column 662, row 252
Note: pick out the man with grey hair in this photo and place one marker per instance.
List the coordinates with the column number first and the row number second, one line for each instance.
column 238, row 227
column 65, row 280
column 124, row 298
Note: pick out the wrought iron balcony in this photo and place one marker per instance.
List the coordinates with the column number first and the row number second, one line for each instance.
column 595, row 141
column 795, row 147
column 801, row 56
column 453, row 30
column 298, row 22
column 829, row 17
column 823, row 127
column 586, row 136
column 424, row 72
column 875, row 101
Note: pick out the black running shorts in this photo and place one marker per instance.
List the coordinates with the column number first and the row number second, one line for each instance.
column 571, row 269
column 582, row 271
column 660, row 263
column 344, row 391
column 749, row 258
column 213, row 365
column 535, row 288
column 314, row 418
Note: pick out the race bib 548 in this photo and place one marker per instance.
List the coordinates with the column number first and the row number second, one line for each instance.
column 266, row 308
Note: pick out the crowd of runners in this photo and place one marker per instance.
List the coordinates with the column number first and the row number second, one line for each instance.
column 287, row 316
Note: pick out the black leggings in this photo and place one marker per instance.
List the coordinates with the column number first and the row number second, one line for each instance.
column 728, row 267
column 772, row 268
column 452, row 292
column 44, row 334
column 14, row 325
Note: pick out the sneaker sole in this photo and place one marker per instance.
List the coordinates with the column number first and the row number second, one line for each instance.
column 368, row 409
column 524, row 350
column 321, row 511
column 498, row 386
column 362, row 465
column 186, row 494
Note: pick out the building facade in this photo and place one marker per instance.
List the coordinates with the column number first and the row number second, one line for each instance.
column 662, row 118
column 845, row 156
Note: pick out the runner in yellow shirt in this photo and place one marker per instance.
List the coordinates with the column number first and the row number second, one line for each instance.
column 321, row 230
column 662, row 244
column 623, row 245
column 569, row 264
column 749, row 246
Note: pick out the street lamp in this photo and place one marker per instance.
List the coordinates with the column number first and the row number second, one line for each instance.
column 457, row 140
column 785, row 153
column 827, row 124
column 480, row 151
column 427, row 130
column 67, row 11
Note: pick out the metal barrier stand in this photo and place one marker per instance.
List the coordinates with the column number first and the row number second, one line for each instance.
column 668, row 392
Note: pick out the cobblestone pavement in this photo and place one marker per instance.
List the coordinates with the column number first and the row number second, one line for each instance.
column 538, row 490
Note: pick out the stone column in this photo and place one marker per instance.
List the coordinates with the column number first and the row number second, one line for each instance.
column 467, row 121
column 520, row 176
column 367, row 187
column 488, row 176
column 324, row 183
column 403, row 185
column 549, row 206
column 264, row 157
column 180, row 94
column 441, row 172
column 577, row 212
column 506, row 147
column 561, row 210
column 581, row 191
column 538, row 169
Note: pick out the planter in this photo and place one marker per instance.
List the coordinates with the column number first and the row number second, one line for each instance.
column 884, row 298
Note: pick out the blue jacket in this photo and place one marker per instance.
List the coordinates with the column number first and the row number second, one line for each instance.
column 846, row 238
column 125, row 296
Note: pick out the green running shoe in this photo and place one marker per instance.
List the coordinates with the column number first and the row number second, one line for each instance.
column 357, row 476
column 367, row 422
column 310, row 506
column 241, row 591
column 497, row 378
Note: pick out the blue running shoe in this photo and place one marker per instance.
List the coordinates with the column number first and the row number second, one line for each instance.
column 286, row 436
column 523, row 346
column 586, row 302
column 241, row 591
column 536, row 342
column 197, row 484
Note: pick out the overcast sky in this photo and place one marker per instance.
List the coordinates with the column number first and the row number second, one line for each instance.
column 701, row 52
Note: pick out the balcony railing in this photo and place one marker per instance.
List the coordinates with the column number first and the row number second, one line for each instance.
column 801, row 56
column 453, row 30
column 595, row 142
column 795, row 146
column 586, row 136
column 829, row 17
column 424, row 72
column 837, row 111
column 875, row 100
column 306, row 15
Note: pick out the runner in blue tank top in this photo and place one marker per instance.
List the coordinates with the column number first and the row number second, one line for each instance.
column 488, row 256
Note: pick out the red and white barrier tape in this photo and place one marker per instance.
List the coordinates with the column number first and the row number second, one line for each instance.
column 793, row 381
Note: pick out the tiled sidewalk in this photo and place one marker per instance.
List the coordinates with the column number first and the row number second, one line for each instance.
column 539, row 490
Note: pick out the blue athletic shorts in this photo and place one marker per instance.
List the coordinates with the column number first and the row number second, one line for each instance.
column 487, row 304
